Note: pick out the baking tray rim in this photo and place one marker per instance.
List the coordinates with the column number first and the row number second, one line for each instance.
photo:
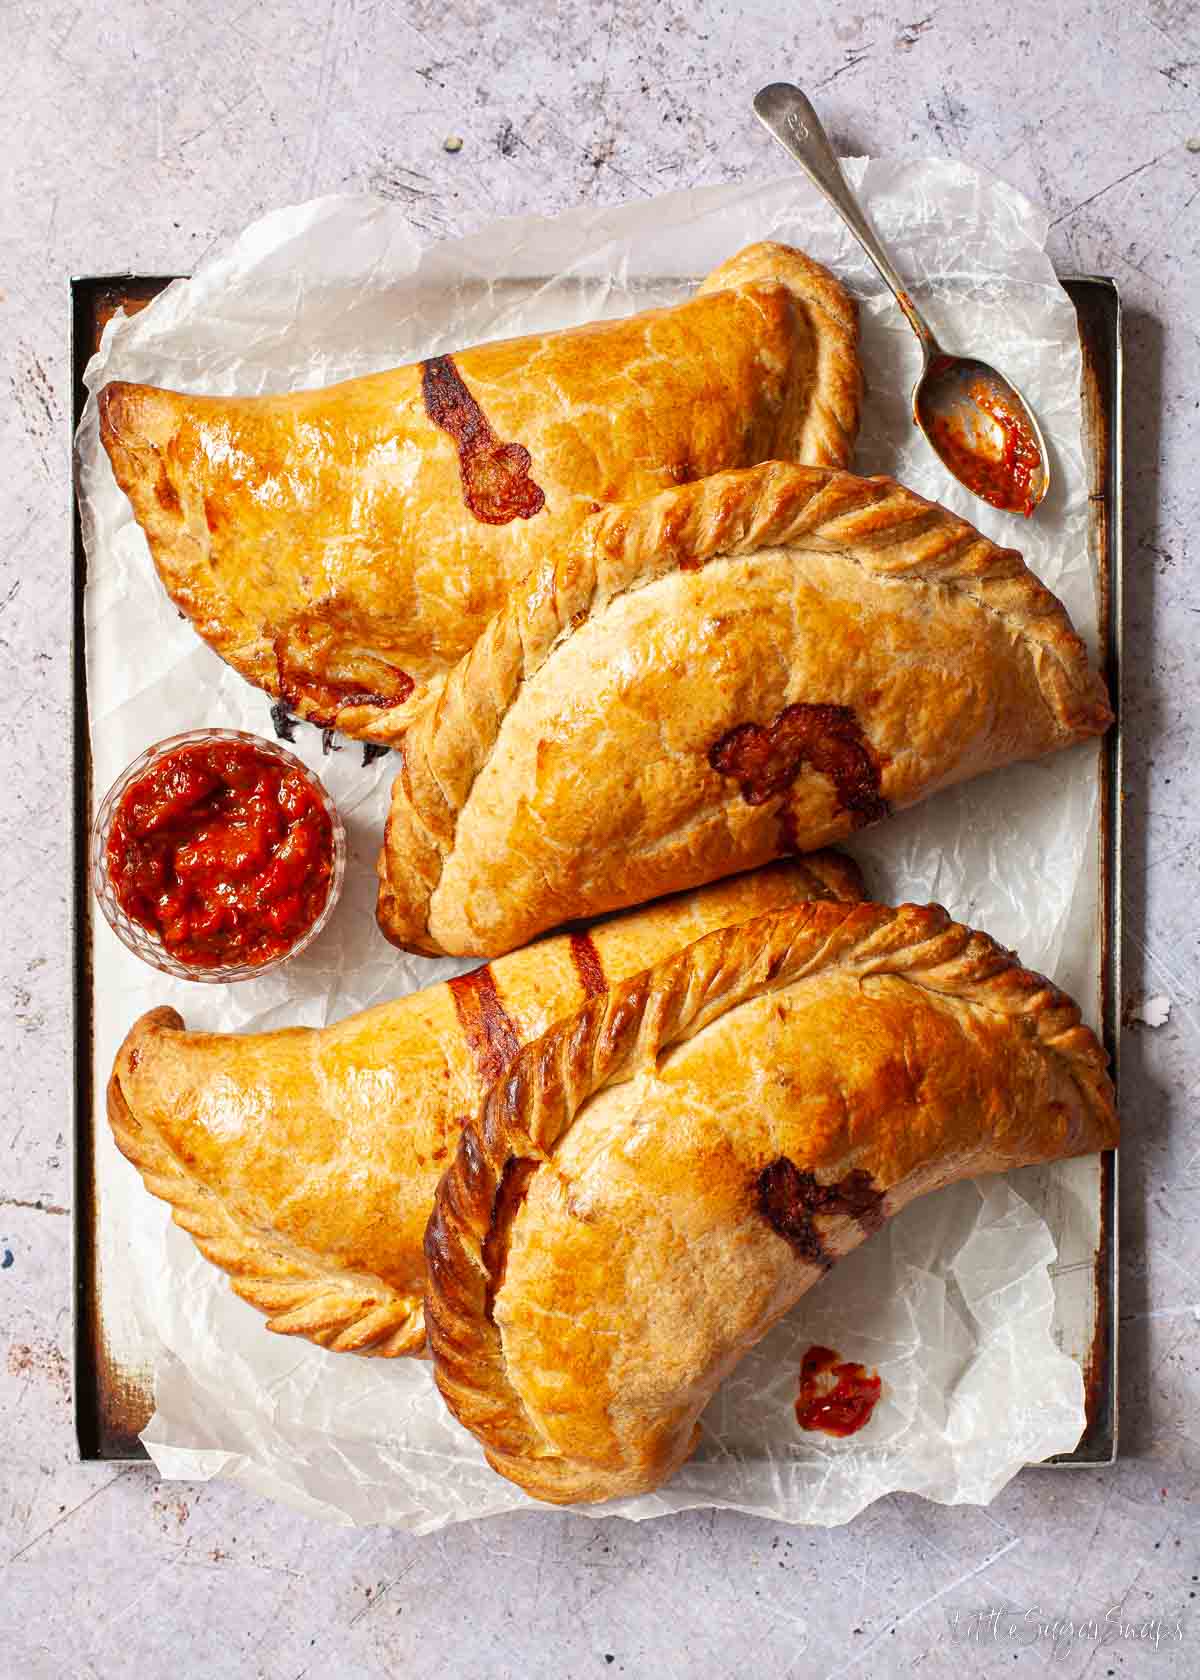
column 1099, row 1442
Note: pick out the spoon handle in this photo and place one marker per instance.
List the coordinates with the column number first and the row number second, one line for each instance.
column 789, row 116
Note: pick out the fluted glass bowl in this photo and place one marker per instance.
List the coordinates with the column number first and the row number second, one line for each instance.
column 140, row 940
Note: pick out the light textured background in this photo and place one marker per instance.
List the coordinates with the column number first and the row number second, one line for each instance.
column 138, row 133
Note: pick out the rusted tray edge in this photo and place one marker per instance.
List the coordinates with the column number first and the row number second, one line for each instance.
column 109, row 1410
column 1098, row 310
column 85, row 1314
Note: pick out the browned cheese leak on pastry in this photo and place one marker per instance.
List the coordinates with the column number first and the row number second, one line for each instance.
column 496, row 484
column 329, row 697
column 788, row 1199
column 587, row 962
column 325, row 693
column 766, row 761
column 486, row 1024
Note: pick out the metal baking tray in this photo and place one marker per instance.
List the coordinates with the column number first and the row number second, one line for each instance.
column 112, row 1360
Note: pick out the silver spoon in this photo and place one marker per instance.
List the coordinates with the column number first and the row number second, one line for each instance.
column 975, row 420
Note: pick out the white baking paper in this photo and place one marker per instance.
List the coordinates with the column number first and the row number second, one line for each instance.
column 954, row 1302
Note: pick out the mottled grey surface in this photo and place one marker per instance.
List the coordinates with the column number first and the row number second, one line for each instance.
column 137, row 134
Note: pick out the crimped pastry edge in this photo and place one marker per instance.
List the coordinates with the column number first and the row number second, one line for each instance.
column 346, row 1312
column 826, row 430
column 445, row 735
column 527, row 1114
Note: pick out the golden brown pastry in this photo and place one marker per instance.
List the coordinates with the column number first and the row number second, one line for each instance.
column 338, row 545
column 660, row 1178
column 304, row 1162
column 754, row 664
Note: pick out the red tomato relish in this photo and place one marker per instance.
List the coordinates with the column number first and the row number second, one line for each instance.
column 223, row 852
column 836, row 1397
column 1008, row 479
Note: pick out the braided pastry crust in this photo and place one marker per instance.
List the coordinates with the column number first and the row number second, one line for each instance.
column 753, row 664
column 656, row 1181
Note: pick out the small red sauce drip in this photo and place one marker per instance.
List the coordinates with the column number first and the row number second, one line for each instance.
column 223, row 852
column 496, row 484
column 835, row 1397
column 1006, row 480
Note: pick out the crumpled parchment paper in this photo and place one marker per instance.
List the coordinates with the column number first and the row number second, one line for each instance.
column 954, row 1302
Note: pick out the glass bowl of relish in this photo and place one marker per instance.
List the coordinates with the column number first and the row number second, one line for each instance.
column 217, row 856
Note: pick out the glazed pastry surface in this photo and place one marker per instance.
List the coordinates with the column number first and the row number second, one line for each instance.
column 660, row 1178
column 338, row 546
column 304, row 1162
column 754, row 664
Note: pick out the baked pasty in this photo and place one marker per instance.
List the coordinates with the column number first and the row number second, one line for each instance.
column 655, row 1182
column 304, row 1162
column 337, row 546
column 754, row 664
